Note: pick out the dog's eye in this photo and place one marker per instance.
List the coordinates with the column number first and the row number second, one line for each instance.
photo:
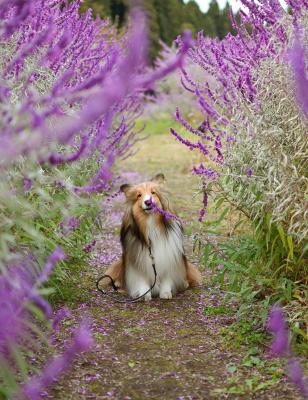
column 153, row 192
column 138, row 195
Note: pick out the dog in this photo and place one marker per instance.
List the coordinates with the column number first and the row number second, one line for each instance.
column 144, row 232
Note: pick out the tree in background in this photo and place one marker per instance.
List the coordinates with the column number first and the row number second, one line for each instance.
column 214, row 15
column 193, row 18
column 167, row 18
column 99, row 7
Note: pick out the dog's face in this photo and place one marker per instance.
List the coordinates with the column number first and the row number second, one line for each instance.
column 143, row 195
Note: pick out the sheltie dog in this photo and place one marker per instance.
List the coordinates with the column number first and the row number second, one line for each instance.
column 145, row 230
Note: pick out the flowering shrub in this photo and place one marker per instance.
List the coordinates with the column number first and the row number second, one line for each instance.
column 254, row 131
column 70, row 91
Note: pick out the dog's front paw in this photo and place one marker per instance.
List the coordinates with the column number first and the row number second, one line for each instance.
column 148, row 297
column 117, row 284
column 165, row 295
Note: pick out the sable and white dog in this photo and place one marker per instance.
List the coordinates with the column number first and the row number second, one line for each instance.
column 141, row 227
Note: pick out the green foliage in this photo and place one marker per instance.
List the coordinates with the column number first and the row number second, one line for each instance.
column 31, row 220
column 253, row 372
column 243, row 263
column 218, row 310
column 101, row 7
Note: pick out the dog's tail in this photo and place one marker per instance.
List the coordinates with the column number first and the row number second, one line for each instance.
column 193, row 275
column 116, row 272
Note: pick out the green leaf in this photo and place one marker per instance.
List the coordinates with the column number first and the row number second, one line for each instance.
column 20, row 361
column 249, row 383
column 291, row 247
column 219, row 202
column 282, row 235
column 45, row 291
column 222, row 215
column 206, row 252
column 7, row 376
column 264, row 385
column 232, row 369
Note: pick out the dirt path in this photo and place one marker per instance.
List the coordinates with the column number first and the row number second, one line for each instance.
column 163, row 349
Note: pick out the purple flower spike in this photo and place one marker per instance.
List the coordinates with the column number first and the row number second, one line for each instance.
column 83, row 338
column 203, row 209
column 89, row 247
column 277, row 326
column 42, row 304
column 164, row 213
column 201, row 215
column 82, row 342
column 249, row 172
column 55, row 257
column 60, row 315
column 27, row 184
column 296, row 375
column 276, row 321
column 297, row 60
column 280, row 347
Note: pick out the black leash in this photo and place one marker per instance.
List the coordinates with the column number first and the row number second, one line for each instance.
column 128, row 301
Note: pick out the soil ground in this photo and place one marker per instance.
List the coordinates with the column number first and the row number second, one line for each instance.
column 163, row 349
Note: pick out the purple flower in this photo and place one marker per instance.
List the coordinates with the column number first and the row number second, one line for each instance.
column 203, row 209
column 164, row 213
column 82, row 342
column 60, row 315
column 69, row 224
column 18, row 287
column 297, row 60
column 276, row 321
column 27, row 184
column 296, row 375
column 56, row 256
column 59, row 184
column 249, row 172
column 12, row 295
column 206, row 172
column 83, row 339
column 201, row 215
column 280, row 347
column 277, row 326
column 280, row 344
column 89, row 247
column 42, row 304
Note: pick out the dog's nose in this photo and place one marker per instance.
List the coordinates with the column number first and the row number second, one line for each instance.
column 148, row 202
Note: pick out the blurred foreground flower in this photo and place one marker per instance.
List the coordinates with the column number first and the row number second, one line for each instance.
column 280, row 347
column 297, row 60
column 82, row 342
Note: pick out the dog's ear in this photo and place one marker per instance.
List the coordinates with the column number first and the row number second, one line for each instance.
column 159, row 178
column 125, row 188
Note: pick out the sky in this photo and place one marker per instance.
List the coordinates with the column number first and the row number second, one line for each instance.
column 204, row 4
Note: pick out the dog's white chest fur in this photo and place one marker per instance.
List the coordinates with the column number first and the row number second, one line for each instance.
column 167, row 249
